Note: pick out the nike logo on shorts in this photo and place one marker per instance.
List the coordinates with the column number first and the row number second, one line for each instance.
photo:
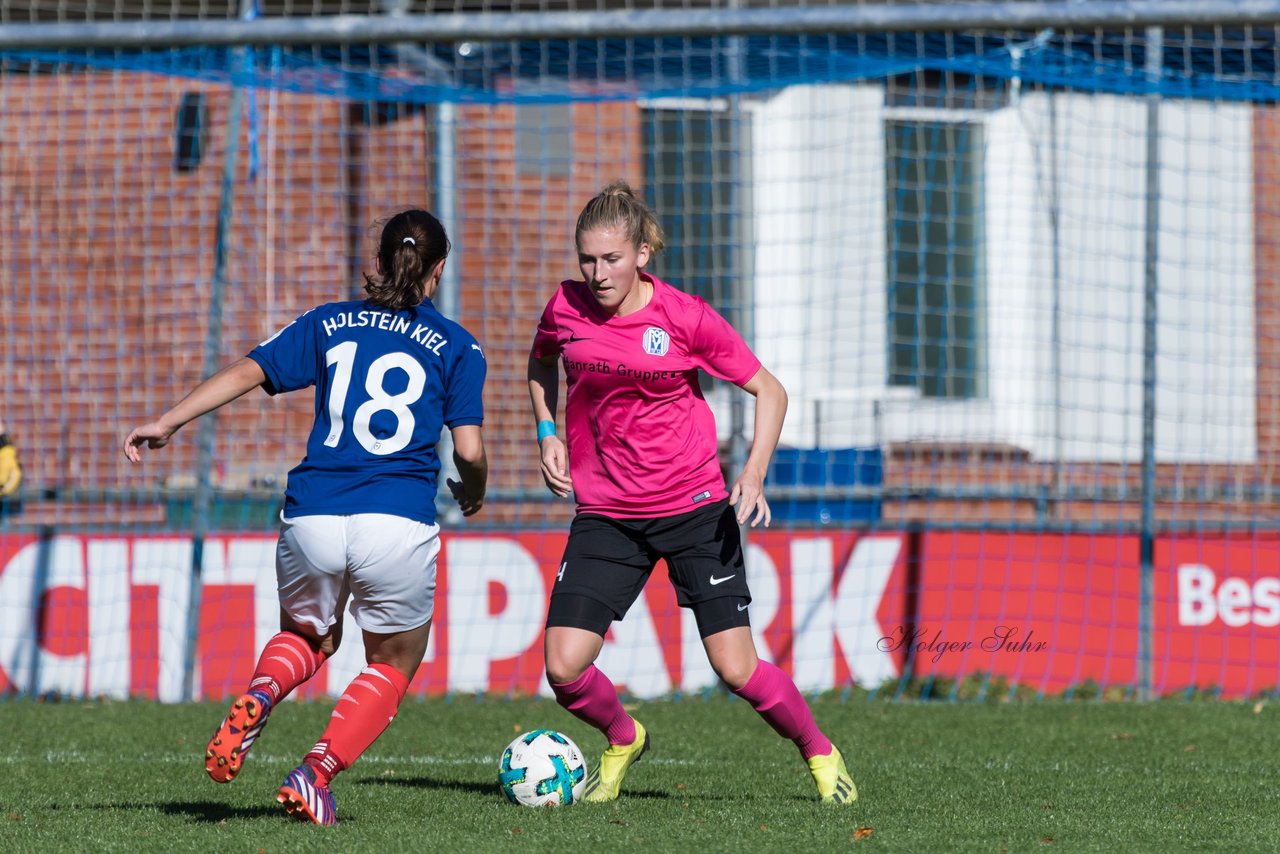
column 715, row 581
column 742, row 607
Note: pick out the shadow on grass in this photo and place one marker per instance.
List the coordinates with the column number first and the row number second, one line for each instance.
column 486, row 789
column 646, row 794
column 431, row 783
column 205, row 811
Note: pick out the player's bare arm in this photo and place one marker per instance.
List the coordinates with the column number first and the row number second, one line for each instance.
column 544, row 390
column 747, row 494
column 473, row 468
column 223, row 387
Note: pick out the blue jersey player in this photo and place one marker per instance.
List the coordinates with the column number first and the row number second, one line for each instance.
column 358, row 524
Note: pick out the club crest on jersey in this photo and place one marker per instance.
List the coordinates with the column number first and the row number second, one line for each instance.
column 656, row 341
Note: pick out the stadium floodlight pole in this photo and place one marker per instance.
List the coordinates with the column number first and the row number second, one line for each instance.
column 1150, row 290
column 202, row 501
column 514, row 26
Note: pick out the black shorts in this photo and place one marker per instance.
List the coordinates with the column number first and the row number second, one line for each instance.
column 609, row 560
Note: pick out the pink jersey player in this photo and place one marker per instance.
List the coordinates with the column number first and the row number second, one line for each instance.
column 642, row 438
column 643, row 465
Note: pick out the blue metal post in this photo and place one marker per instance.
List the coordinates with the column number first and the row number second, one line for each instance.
column 203, row 500
column 1151, row 283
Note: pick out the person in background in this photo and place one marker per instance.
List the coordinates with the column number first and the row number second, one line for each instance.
column 390, row 372
column 642, row 461
column 10, row 474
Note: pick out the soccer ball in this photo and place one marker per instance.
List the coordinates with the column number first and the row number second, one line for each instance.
column 543, row 768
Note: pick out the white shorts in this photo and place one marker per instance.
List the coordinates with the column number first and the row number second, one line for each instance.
column 385, row 564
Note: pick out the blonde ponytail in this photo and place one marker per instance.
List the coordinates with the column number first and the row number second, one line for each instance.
column 617, row 206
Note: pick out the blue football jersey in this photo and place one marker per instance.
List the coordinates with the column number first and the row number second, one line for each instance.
column 386, row 383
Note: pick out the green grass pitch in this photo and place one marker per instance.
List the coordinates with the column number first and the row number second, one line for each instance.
column 1017, row 776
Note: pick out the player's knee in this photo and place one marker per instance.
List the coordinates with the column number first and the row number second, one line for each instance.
column 724, row 626
column 568, row 654
column 328, row 644
column 563, row 669
column 403, row 650
column 559, row 676
column 734, row 673
column 325, row 645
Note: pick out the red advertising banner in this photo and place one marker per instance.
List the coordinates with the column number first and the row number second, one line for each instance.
column 1044, row 610
column 1217, row 614
column 1053, row 611
column 101, row 615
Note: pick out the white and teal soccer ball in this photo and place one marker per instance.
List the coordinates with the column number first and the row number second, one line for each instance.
column 542, row 768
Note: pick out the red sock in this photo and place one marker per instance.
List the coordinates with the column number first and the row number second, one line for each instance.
column 593, row 698
column 364, row 710
column 285, row 663
column 771, row 692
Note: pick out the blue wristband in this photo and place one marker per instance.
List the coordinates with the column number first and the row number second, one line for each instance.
column 545, row 429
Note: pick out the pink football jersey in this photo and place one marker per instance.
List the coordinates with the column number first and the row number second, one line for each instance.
column 641, row 437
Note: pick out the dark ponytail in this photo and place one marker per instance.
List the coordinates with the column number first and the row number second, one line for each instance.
column 412, row 243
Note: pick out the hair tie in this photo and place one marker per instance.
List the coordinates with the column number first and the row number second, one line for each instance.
column 410, row 241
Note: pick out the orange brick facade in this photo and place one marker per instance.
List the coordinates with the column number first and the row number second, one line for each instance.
column 107, row 257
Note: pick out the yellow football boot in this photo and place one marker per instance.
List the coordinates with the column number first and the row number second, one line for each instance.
column 834, row 783
column 605, row 780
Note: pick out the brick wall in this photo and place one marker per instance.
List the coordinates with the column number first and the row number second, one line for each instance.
column 107, row 258
column 1266, row 204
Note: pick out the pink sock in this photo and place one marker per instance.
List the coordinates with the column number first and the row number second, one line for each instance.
column 285, row 663
column 771, row 692
column 593, row 699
